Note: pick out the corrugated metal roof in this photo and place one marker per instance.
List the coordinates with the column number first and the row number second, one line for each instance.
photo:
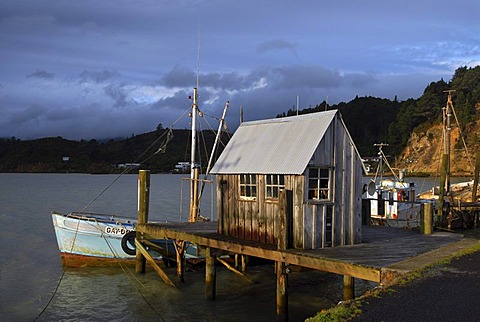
column 274, row 146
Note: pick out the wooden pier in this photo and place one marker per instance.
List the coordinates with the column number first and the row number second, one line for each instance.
column 384, row 254
column 383, row 248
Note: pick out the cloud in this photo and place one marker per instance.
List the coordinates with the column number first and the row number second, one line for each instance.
column 95, row 69
column 41, row 74
column 98, row 76
column 275, row 45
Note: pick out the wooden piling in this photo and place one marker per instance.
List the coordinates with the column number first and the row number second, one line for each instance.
column 475, row 178
column 143, row 205
column 282, row 295
column 210, row 275
column 426, row 218
column 348, row 288
column 282, row 240
column 180, row 250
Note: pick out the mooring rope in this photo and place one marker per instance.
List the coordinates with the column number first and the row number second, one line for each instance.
column 131, row 277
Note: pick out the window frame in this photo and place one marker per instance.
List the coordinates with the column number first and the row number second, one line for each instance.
column 317, row 183
column 274, row 183
column 249, row 184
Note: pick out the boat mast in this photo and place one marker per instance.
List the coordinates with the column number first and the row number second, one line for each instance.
column 445, row 172
column 193, row 167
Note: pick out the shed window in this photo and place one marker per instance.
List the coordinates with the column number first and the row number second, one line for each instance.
column 248, row 186
column 319, row 184
column 273, row 184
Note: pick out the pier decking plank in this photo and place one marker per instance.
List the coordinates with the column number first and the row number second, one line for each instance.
column 381, row 247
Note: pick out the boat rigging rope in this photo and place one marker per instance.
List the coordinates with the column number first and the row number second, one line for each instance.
column 169, row 136
column 131, row 277
column 463, row 139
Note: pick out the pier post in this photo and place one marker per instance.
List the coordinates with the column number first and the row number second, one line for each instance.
column 210, row 275
column 180, row 250
column 348, row 288
column 475, row 177
column 282, row 240
column 282, row 295
column 426, row 218
column 143, row 205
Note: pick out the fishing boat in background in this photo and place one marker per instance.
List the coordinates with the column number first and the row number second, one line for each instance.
column 391, row 200
column 86, row 238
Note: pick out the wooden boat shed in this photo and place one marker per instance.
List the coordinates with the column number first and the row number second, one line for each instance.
column 313, row 158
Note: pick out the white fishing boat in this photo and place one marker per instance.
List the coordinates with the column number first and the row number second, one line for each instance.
column 95, row 239
column 391, row 200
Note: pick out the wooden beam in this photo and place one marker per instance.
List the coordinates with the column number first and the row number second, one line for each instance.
column 236, row 271
column 157, row 268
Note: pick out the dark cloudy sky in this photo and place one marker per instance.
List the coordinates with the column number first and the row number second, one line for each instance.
column 110, row 68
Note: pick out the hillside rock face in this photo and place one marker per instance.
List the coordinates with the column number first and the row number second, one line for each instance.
column 424, row 150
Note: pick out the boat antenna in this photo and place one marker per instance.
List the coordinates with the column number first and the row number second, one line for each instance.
column 198, row 59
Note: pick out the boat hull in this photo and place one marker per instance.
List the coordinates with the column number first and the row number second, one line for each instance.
column 86, row 239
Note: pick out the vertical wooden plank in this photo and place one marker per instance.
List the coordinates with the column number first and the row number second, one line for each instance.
column 280, row 231
column 357, row 195
column 299, row 209
column 337, row 219
column 240, row 222
column 308, row 226
column 233, row 213
column 210, row 275
column 349, row 193
column 221, row 201
column 289, row 218
column 143, row 205
column 258, row 226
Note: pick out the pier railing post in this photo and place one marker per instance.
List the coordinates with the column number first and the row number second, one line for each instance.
column 426, row 218
column 143, row 205
column 348, row 288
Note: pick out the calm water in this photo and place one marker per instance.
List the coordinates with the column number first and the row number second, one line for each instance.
column 30, row 269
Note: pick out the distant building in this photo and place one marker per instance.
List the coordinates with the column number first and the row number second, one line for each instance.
column 184, row 167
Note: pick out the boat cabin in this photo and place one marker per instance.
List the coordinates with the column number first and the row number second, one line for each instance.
column 314, row 159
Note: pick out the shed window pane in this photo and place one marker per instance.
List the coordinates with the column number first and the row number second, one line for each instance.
column 248, row 186
column 319, row 183
column 273, row 184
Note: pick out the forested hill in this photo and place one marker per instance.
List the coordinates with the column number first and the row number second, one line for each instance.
column 411, row 128
column 61, row 155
